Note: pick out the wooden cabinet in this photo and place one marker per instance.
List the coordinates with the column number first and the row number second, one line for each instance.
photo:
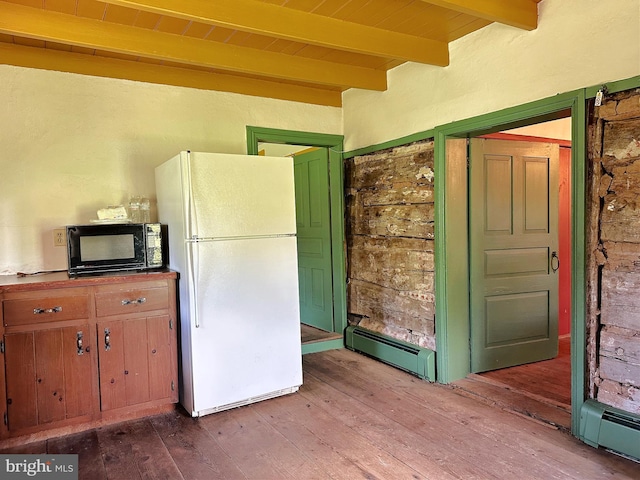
column 50, row 376
column 135, row 346
column 134, row 359
column 84, row 351
column 48, row 358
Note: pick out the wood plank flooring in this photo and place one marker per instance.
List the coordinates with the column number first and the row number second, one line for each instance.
column 540, row 390
column 549, row 379
column 309, row 334
column 354, row 418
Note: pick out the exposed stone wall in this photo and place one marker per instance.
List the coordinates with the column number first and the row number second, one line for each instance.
column 390, row 219
column 614, row 252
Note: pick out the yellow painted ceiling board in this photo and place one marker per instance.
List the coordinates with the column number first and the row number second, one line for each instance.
column 61, row 6
column 120, row 15
column 258, row 17
column 122, row 39
column 332, row 45
column 116, row 68
column 517, row 13
column 91, row 9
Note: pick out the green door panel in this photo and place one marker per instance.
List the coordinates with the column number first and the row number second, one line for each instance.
column 314, row 238
column 513, row 236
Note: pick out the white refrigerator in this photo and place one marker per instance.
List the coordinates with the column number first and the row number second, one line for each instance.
column 232, row 238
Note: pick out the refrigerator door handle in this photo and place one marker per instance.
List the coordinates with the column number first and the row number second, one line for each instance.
column 188, row 195
column 195, row 283
column 192, row 265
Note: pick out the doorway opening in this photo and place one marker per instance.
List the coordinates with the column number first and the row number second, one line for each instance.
column 313, row 223
column 520, row 271
column 318, row 174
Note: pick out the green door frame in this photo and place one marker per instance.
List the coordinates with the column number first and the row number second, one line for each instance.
column 334, row 144
column 451, row 232
column 451, row 227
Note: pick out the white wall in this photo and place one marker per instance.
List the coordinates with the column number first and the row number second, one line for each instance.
column 560, row 129
column 578, row 43
column 71, row 144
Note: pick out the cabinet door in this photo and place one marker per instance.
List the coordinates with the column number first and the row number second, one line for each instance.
column 20, row 370
column 49, row 362
column 135, row 361
column 48, row 375
column 111, row 358
column 78, row 345
column 161, row 368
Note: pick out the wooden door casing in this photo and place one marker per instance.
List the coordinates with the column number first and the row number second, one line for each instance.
column 564, row 242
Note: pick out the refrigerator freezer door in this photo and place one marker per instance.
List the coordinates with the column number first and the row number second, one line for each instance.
column 247, row 343
column 240, row 195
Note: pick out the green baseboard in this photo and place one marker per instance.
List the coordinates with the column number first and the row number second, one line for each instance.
column 406, row 356
column 323, row 346
column 609, row 427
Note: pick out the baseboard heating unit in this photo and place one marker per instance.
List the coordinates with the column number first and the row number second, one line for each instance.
column 611, row 428
column 406, row 356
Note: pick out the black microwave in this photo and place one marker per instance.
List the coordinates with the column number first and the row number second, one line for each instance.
column 115, row 247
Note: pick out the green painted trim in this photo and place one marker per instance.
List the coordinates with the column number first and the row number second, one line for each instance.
column 579, row 259
column 334, row 143
column 323, row 346
column 292, row 137
column 415, row 137
column 452, row 270
column 452, row 287
column 614, row 87
column 407, row 356
column 609, row 427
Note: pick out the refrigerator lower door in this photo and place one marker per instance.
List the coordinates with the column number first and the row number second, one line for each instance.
column 245, row 336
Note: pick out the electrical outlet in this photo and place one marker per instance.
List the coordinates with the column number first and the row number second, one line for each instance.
column 59, row 237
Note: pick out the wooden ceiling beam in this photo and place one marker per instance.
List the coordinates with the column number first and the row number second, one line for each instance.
column 517, row 13
column 33, row 57
column 71, row 30
column 298, row 26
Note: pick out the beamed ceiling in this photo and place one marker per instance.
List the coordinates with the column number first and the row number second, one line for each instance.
column 302, row 50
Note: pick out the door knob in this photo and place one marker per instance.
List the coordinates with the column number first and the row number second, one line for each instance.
column 555, row 262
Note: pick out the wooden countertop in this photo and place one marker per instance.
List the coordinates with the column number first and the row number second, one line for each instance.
column 15, row 283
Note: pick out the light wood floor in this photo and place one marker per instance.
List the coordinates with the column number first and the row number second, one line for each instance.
column 540, row 390
column 354, row 418
column 310, row 334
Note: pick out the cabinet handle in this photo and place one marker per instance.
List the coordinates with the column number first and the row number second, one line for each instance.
column 38, row 311
column 79, row 349
column 137, row 301
column 107, row 339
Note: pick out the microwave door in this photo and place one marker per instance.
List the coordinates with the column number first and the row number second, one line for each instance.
column 96, row 248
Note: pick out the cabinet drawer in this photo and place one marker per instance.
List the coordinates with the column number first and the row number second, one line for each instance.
column 53, row 308
column 126, row 301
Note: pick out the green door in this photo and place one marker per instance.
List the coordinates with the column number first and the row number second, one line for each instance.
column 513, row 227
column 314, row 238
